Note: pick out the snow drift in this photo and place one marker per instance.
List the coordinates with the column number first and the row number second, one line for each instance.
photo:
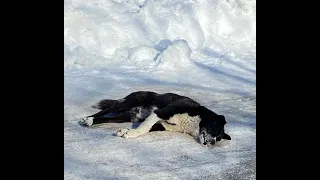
column 204, row 49
column 101, row 32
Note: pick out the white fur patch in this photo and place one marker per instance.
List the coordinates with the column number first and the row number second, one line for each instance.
column 183, row 123
column 88, row 121
column 149, row 122
column 201, row 139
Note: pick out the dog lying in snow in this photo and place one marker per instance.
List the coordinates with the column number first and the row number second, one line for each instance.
column 156, row 112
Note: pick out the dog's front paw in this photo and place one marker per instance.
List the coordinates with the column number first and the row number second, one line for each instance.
column 87, row 121
column 133, row 133
column 121, row 132
column 128, row 133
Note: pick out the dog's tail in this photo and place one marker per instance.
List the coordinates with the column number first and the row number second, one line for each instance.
column 104, row 104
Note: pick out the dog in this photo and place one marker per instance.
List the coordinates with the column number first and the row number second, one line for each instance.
column 160, row 112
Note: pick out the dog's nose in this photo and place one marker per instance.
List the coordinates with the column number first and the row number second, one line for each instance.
column 204, row 143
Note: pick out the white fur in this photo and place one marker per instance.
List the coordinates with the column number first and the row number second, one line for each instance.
column 201, row 139
column 88, row 121
column 121, row 132
column 183, row 123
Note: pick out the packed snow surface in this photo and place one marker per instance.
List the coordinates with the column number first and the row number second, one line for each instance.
column 204, row 49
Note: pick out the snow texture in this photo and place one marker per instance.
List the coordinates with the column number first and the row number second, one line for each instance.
column 204, row 49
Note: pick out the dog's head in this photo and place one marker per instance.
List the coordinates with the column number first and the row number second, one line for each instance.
column 211, row 129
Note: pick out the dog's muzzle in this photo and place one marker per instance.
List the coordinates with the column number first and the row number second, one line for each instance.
column 206, row 139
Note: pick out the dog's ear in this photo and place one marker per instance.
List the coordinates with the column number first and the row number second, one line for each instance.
column 223, row 119
column 226, row 136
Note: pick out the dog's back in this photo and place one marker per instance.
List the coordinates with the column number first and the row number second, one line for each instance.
column 163, row 100
column 147, row 99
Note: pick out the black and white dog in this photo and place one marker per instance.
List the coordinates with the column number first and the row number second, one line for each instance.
column 169, row 112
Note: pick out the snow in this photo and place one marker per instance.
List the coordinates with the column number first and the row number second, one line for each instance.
column 204, row 49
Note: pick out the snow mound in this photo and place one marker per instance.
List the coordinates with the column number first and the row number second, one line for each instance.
column 144, row 56
column 110, row 31
column 175, row 55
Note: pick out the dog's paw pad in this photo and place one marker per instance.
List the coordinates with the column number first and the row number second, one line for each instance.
column 87, row 121
column 121, row 132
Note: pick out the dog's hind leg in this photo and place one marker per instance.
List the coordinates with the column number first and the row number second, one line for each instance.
column 119, row 118
column 144, row 127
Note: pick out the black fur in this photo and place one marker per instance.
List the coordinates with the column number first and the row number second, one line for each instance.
column 168, row 104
